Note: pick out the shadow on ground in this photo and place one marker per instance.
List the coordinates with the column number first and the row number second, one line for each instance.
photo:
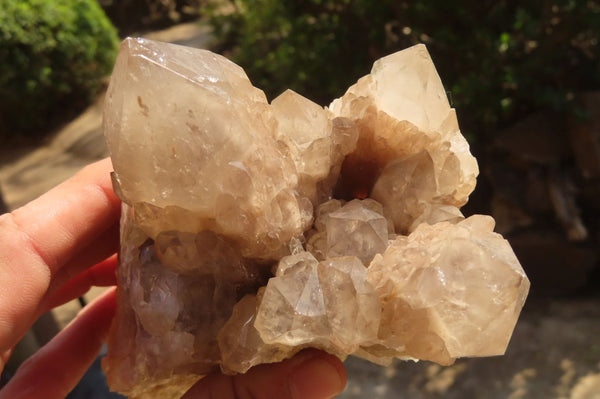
column 554, row 353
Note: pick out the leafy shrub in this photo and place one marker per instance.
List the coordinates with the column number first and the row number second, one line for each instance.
column 54, row 55
column 498, row 59
column 130, row 16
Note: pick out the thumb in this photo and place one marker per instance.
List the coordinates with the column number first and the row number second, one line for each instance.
column 311, row 374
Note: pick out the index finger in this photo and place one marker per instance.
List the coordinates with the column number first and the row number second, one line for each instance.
column 39, row 238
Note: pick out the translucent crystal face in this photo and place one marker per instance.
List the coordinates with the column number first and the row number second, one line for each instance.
column 253, row 230
column 356, row 230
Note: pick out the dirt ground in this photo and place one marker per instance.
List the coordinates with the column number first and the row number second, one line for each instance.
column 554, row 352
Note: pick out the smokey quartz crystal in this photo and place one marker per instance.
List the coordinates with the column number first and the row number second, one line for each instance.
column 253, row 230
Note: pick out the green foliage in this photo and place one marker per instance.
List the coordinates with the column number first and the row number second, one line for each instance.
column 54, row 55
column 131, row 16
column 498, row 59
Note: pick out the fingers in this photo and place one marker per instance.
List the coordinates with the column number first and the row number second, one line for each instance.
column 69, row 217
column 54, row 370
column 4, row 356
column 311, row 374
column 104, row 245
column 100, row 275
column 38, row 239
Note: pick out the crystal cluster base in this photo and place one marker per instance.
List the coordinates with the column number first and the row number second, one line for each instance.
column 252, row 230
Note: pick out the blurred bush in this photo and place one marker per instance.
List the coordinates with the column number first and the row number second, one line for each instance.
column 130, row 16
column 55, row 54
column 498, row 59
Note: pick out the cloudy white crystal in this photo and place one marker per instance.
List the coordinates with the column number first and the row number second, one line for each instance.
column 253, row 230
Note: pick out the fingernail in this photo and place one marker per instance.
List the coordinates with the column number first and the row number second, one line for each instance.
column 318, row 377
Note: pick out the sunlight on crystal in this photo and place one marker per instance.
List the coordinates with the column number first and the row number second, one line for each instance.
column 253, row 230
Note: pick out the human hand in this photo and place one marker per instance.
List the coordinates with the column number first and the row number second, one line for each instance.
column 311, row 374
column 53, row 250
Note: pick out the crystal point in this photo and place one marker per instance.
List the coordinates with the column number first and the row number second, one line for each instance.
column 463, row 278
column 356, row 230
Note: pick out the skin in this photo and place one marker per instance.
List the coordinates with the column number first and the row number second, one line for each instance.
column 53, row 250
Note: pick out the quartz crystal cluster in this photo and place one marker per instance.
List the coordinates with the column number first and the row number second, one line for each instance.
column 252, row 230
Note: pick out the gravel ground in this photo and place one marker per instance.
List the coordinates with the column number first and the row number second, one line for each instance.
column 554, row 353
